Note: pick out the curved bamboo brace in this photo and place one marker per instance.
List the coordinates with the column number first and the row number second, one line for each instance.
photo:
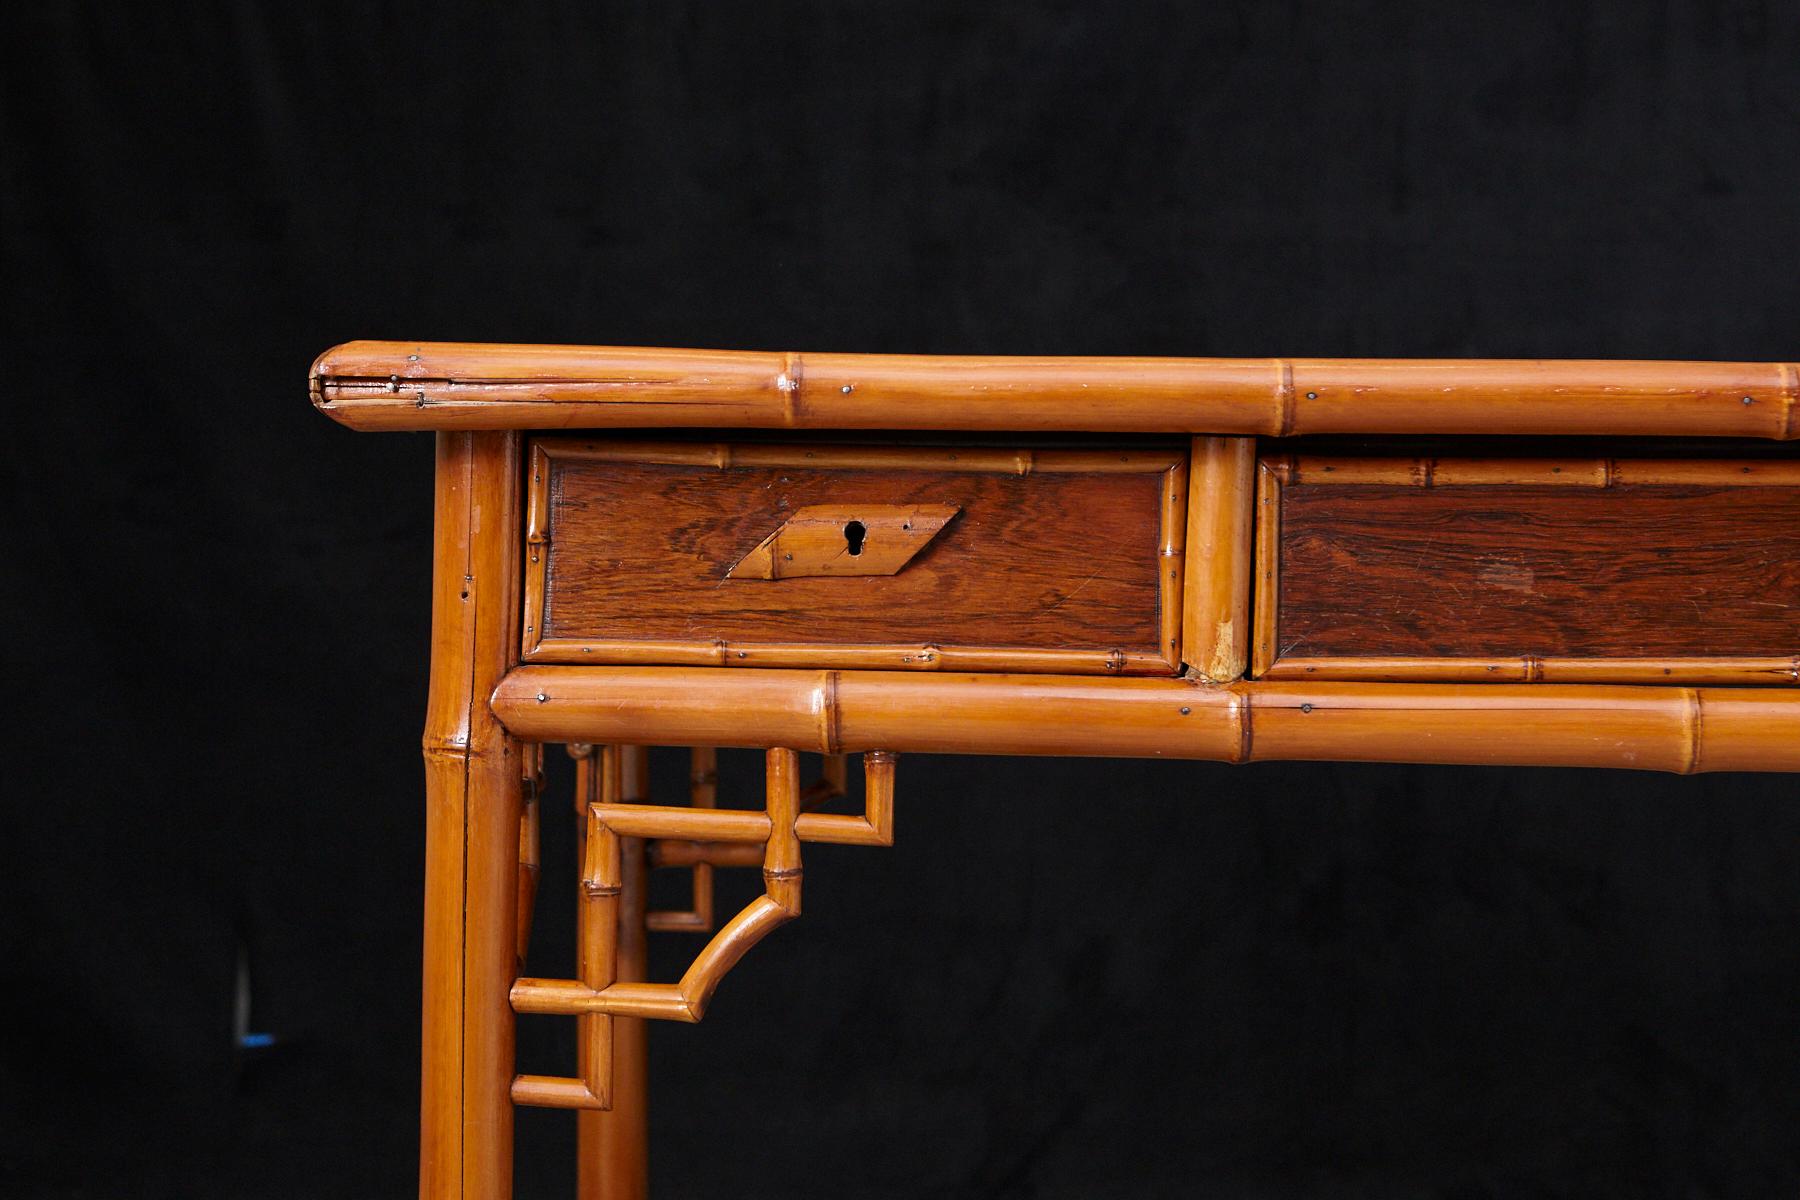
column 684, row 1001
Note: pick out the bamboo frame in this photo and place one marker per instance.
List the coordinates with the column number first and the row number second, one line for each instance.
column 1678, row 729
column 1275, row 473
column 482, row 817
column 530, row 852
column 1172, row 466
column 455, row 385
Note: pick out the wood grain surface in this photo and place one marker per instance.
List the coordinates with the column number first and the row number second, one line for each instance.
column 1662, row 572
column 1063, row 559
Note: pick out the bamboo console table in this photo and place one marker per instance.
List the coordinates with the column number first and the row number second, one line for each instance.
column 1550, row 563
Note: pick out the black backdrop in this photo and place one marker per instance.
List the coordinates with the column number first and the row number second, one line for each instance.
column 1279, row 981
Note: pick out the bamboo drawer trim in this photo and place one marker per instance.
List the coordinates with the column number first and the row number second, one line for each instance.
column 1065, row 561
column 1677, row 729
column 1528, row 570
column 460, row 385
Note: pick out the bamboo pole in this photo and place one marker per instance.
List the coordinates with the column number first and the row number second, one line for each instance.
column 474, row 773
column 452, row 385
column 602, row 879
column 1678, row 729
column 781, row 854
column 672, row 852
column 703, row 793
column 692, row 824
column 612, row 1148
column 1216, row 603
column 530, row 848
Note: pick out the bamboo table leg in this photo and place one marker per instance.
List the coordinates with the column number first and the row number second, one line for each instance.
column 612, row 1146
column 474, row 794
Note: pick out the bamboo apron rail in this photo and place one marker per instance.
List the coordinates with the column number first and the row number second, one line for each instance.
column 1184, row 581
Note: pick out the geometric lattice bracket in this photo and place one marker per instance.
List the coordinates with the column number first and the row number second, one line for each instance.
column 701, row 835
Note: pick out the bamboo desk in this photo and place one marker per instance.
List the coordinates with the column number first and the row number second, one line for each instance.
column 1149, row 557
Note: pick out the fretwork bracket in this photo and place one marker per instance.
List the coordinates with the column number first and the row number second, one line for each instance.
column 700, row 836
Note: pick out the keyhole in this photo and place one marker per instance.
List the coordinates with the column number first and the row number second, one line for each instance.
column 854, row 533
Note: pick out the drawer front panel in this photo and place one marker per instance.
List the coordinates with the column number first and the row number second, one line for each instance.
column 859, row 557
column 1525, row 570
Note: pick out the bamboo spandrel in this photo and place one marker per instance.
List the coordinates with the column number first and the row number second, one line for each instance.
column 601, row 995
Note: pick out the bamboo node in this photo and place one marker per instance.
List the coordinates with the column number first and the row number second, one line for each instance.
column 1243, row 713
column 1696, row 730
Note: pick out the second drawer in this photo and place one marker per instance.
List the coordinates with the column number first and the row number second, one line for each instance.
column 1599, row 570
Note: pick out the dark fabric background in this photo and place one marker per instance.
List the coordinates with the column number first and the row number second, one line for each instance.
column 1279, row 981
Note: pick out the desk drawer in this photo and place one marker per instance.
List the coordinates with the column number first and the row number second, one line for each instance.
column 1600, row 570
column 896, row 558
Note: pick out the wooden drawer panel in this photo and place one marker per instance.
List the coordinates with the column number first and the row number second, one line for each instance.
column 746, row 556
column 1608, row 570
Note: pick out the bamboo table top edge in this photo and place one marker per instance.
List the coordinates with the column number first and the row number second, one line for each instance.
column 394, row 385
